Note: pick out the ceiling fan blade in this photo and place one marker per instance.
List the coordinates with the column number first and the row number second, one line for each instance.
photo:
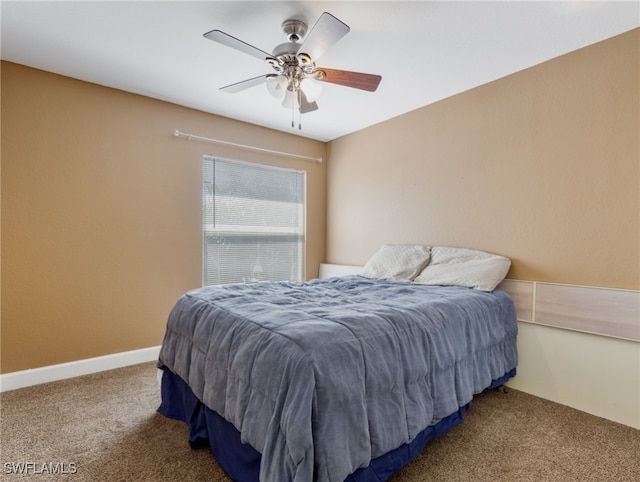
column 325, row 33
column 245, row 84
column 305, row 105
column 357, row 80
column 234, row 43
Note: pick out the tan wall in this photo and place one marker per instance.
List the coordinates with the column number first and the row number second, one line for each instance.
column 541, row 166
column 101, row 213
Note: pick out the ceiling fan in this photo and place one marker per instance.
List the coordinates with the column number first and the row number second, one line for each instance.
column 296, row 76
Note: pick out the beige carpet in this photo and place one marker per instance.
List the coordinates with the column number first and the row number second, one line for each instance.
column 104, row 427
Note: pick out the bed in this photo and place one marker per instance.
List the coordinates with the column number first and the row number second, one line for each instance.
column 345, row 378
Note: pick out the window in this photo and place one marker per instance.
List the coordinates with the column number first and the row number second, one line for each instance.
column 253, row 222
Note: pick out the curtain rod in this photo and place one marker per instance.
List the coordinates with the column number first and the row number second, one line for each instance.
column 177, row 133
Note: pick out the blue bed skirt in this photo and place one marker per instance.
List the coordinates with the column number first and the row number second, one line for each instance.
column 242, row 462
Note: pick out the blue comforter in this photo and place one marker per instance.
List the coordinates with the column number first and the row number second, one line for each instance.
column 321, row 377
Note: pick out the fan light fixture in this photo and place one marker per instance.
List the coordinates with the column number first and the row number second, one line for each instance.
column 282, row 87
column 311, row 88
column 297, row 79
column 290, row 99
column 276, row 85
column 293, row 80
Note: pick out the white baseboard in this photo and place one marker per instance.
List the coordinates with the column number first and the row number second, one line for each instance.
column 35, row 376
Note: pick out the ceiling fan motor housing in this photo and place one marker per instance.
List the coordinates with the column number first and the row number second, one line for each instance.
column 294, row 29
column 285, row 58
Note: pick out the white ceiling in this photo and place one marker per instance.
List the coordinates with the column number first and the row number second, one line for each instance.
column 424, row 50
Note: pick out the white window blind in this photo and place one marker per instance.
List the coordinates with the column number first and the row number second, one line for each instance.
column 253, row 222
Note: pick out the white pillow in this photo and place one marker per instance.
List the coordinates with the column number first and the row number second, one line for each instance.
column 397, row 262
column 464, row 267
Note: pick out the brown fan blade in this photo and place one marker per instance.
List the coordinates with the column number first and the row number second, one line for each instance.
column 305, row 105
column 325, row 33
column 229, row 41
column 357, row 80
column 245, row 84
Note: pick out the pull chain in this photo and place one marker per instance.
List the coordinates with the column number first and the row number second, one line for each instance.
column 293, row 114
